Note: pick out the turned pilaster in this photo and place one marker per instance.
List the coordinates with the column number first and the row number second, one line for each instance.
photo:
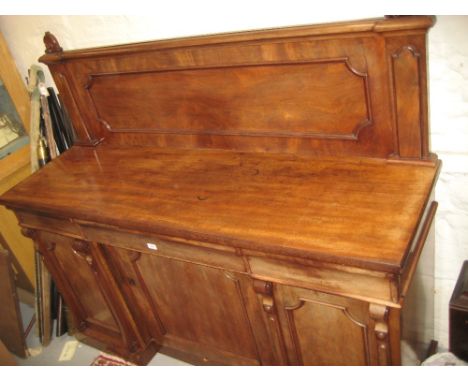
column 379, row 314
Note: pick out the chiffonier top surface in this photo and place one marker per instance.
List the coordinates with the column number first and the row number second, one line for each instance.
column 360, row 212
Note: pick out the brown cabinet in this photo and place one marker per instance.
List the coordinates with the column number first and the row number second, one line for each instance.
column 202, row 304
column 255, row 198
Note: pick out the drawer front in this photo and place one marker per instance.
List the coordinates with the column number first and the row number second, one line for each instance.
column 48, row 223
column 204, row 254
column 364, row 285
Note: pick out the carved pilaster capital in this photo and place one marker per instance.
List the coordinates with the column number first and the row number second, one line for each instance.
column 80, row 246
column 50, row 247
column 265, row 290
column 379, row 314
column 134, row 256
column 28, row 232
column 82, row 249
column 263, row 287
column 406, row 49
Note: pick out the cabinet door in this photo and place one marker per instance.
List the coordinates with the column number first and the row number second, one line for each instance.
column 200, row 313
column 81, row 277
column 323, row 329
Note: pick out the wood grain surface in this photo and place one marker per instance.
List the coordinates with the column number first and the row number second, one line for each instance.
column 341, row 89
column 355, row 211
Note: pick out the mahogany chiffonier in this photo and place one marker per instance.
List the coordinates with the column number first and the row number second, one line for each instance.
column 254, row 198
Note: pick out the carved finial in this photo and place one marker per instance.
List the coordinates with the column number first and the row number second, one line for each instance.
column 51, row 43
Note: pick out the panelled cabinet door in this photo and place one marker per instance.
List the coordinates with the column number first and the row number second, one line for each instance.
column 322, row 329
column 204, row 311
column 77, row 269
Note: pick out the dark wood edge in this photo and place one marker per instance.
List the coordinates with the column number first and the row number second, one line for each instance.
column 422, row 214
column 431, row 160
column 356, row 26
column 399, row 23
column 415, row 255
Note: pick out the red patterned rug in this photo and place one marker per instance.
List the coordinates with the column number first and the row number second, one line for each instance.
column 110, row 360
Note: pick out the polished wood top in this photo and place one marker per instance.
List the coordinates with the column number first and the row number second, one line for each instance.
column 360, row 212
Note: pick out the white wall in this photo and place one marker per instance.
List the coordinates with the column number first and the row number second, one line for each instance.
column 448, row 76
column 448, row 71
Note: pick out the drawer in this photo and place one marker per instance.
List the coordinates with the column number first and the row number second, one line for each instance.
column 176, row 248
column 346, row 281
column 48, row 223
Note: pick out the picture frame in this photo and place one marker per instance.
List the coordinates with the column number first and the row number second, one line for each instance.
column 18, row 93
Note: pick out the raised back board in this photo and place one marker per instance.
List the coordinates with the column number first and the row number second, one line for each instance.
column 356, row 88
